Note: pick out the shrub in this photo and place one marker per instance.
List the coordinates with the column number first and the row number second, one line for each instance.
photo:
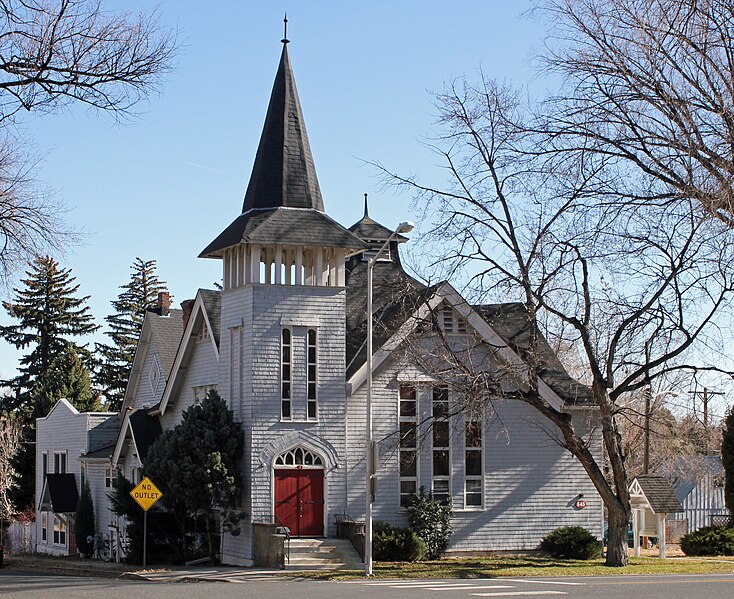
column 395, row 544
column 571, row 542
column 430, row 519
column 709, row 540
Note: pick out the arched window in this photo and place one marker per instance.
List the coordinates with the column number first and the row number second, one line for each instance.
column 299, row 457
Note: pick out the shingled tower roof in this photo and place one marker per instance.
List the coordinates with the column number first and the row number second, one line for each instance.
column 283, row 174
column 283, row 203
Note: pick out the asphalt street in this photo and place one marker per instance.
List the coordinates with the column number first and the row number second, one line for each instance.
column 607, row 587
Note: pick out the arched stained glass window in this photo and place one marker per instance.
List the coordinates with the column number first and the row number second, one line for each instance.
column 298, row 457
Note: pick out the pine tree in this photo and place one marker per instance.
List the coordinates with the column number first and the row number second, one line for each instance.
column 50, row 316
column 84, row 522
column 115, row 360
column 69, row 378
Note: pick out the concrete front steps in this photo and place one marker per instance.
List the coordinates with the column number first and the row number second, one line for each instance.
column 322, row 554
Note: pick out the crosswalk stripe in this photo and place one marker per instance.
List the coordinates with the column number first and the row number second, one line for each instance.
column 518, row 593
column 575, row 584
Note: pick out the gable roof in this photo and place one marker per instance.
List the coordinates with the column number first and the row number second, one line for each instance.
column 284, row 172
column 511, row 322
column 207, row 310
column 59, row 494
column 370, row 230
column 397, row 298
column 659, row 493
column 166, row 333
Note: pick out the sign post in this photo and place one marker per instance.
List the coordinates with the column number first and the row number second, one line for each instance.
column 146, row 494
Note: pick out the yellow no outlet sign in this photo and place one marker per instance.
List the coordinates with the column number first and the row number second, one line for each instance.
column 146, row 494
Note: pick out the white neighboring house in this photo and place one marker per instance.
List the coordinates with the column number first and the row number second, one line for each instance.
column 65, row 441
column 698, row 483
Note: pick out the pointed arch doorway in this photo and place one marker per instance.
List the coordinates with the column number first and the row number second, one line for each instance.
column 299, row 492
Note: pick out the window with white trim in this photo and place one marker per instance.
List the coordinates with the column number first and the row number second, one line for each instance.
column 59, row 530
column 286, row 358
column 44, row 464
column 408, row 445
column 311, row 374
column 203, row 332
column 59, row 462
column 441, row 453
column 83, row 472
column 108, row 477
column 473, row 464
column 44, row 526
column 201, row 392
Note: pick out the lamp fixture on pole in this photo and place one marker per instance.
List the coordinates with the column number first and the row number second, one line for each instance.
column 370, row 453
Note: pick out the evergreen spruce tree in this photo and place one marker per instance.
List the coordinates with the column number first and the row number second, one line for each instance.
column 727, row 457
column 115, row 360
column 69, row 378
column 50, row 317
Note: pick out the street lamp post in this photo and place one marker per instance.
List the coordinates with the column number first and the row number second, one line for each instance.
column 405, row 227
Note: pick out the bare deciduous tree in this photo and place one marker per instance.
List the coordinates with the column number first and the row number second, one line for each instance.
column 649, row 88
column 53, row 54
column 10, row 437
column 635, row 286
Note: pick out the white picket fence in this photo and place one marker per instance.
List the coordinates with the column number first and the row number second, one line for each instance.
column 20, row 537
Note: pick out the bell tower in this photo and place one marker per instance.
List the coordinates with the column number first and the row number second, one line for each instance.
column 282, row 357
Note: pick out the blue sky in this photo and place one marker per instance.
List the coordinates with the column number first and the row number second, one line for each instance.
column 163, row 185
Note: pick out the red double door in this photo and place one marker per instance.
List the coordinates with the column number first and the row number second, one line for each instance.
column 299, row 501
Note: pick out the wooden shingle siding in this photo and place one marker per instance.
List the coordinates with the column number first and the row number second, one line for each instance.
column 530, row 483
column 143, row 394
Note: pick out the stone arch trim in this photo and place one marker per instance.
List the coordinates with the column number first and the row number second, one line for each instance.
column 304, row 439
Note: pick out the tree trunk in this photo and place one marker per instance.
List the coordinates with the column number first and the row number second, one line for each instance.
column 617, row 554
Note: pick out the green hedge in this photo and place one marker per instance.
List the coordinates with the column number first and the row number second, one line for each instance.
column 709, row 540
column 571, row 542
column 394, row 544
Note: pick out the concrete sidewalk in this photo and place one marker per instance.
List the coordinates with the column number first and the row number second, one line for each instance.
column 71, row 566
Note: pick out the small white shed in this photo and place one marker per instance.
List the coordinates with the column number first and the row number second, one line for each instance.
column 652, row 499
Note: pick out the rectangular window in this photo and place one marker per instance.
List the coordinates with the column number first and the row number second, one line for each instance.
column 108, row 477
column 59, row 462
column 44, row 526
column 286, row 359
column 452, row 322
column 473, row 464
column 311, row 378
column 448, row 319
column 441, row 455
column 83, row 472
column 201, row 392
column 59, row 530
column 408, row 416
column 45, row 464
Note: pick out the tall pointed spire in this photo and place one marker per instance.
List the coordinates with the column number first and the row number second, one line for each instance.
column 284, row 174
column 366, row 213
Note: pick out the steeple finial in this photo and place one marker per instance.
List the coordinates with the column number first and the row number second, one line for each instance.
column 285, row 39
column 366, row 214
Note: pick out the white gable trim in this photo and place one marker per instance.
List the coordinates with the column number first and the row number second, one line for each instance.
column 184, row 352
column 64, row 403
column 124, row 429
column 445, row 292
column 141, row 351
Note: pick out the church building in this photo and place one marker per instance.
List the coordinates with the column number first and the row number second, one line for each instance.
column 284, row 342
